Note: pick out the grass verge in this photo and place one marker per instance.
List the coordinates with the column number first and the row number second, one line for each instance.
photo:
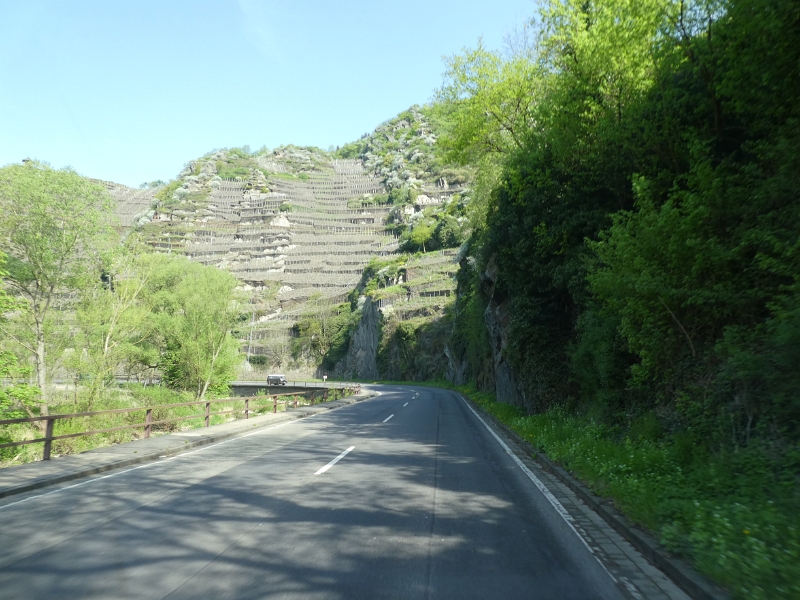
column 133, row 396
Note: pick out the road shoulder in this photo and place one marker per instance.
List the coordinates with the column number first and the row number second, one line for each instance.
column 33, row 476
column 642, row 566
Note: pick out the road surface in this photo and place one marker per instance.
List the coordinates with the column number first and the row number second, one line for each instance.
column 407, row 495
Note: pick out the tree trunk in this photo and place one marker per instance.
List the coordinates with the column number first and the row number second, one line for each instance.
column 207, row 382
column 41, row 369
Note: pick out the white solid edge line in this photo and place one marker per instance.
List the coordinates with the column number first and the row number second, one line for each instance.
column 334, row 461
column 542, row 488
column 389, row 417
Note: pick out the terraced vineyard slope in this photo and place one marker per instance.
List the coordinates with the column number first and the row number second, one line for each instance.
column 298, row 226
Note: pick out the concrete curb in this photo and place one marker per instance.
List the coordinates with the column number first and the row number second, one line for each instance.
column 690, row 581
column 203, row 441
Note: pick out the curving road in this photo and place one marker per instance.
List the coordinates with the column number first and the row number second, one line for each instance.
column 426, row 504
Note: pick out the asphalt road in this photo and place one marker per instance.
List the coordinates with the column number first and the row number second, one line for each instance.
column 426, row 504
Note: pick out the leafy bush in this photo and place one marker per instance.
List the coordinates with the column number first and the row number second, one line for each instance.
column 351, row 150
column 418, row 238
column 233, row 171
column 402, row 195
column 164, row 195
column 243, row 152
column 448, row 233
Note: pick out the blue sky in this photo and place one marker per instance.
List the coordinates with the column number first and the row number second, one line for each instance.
column 129, row 91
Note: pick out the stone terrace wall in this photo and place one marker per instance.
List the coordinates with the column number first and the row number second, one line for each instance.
column 314, row 251
column 131, row 204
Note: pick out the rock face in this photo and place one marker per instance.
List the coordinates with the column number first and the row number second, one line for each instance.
column 497, row 318
column 361, row 359
column 456, row 369
column 280, row 221
column 506, row 387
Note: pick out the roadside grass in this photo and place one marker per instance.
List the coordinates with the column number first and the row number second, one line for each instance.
column 734, row 515
column 134, row 396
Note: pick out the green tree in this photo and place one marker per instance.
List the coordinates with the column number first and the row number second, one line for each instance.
column 488, row 106
column 448, row 233
column 416, row 238
column 195, row 310
column 17, row 399
column 111, row 319
column 52, row 223
column 488, row 102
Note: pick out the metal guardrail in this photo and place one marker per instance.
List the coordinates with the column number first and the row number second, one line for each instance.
column 311, row 385
column 148, row 410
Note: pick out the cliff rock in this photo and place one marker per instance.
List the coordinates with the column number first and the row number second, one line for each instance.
column 360, row 360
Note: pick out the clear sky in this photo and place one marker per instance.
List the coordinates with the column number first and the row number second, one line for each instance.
column 129, row 91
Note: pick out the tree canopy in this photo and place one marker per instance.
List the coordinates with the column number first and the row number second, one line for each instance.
column 53, row 224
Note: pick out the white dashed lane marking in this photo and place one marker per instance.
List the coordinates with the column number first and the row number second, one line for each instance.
column 334, row 461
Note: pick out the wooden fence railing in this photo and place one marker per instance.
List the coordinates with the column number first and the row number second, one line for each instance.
column 148, row 418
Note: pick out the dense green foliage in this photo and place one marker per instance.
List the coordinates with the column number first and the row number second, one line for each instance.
column 18, row 398
column 80, row 301
column 683, row 181
column 228, row 171
column 193, row 310
column 644, row 232
column 681, row 177
column 433, row 230
column 166, row 193
column 469, row 338
column 53, row 225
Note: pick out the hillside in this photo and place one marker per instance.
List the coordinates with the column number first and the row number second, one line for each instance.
column 297, row 227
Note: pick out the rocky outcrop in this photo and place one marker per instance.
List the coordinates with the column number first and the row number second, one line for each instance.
column 360, row 361
column 456, row 368
column 497, row 318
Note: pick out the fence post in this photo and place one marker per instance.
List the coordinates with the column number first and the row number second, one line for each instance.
column 274, row 404
column 148, row 422
column 208, row 412
column 247, row 408
column 312, row 398
column 325, row 396
column 295, row 401
column 48, row 438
